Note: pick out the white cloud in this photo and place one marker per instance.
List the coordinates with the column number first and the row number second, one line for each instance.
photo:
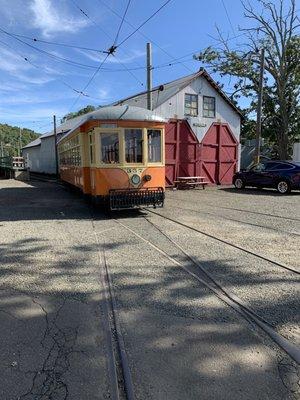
column 51, row 21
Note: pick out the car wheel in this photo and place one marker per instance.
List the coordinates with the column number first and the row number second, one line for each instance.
column 283, row 187
column 239, row 183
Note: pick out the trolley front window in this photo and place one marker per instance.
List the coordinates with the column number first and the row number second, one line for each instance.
column 133, row 145
column 109, row 148
column 154, row 145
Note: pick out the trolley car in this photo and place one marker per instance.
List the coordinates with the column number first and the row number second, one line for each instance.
column 116, row 156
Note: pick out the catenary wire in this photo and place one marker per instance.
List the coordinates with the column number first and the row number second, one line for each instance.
column 122, row 21
column 143, row 23
column 141, row 33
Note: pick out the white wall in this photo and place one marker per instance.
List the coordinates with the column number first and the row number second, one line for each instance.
column 174, row 108
column 41, row 158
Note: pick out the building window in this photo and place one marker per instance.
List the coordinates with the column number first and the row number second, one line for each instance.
column 109, row 148
column 133, row 146
column 209, row 107
column 191, row 105
column 154, row 145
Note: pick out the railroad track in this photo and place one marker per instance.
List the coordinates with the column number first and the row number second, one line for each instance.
column 244, row 211
column 121, row 386
column 237, row 220
column 223, row 294
column 243, row 249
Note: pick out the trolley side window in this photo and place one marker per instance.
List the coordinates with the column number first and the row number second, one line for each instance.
column 92, row 148
column 133, row 145
column 109, row 148
column 154, row 145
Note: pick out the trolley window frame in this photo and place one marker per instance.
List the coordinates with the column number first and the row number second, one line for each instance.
column 162, row 147
column 73, row 152
column 99, row 161
column 122, row 156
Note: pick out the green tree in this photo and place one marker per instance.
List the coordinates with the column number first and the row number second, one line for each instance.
column 10, row 139
column 82, row 111
column 275, row 27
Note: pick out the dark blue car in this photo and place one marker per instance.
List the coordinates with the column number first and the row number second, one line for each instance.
column 281, row 175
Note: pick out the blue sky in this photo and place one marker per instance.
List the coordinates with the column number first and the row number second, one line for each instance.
column 32, row 92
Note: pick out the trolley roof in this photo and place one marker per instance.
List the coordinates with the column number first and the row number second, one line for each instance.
column 111, row 113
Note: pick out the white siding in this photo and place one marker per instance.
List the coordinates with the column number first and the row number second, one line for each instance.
column 174, row 108
column 41, row 158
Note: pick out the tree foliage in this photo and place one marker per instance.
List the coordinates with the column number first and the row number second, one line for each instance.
column 10, row 139
column 275, row 27
column 82, row 111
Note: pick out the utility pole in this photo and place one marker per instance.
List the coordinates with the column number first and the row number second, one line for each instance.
column 55, row 143
column 20, row 141
column 259, row 106
column 149, row 76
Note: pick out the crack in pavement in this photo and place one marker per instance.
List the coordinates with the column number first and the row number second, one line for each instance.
column 48, row 381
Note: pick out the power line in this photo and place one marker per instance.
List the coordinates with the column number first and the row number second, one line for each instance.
column 122, row 21
column 113, row 47
column 141, row 33
column 47, row 72
column 72, row 46
column 61, row 59
column 142, row 24
column 228, row 17
column 89, row 18
column 89, row 82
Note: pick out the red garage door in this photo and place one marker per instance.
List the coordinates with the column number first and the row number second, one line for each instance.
column 219, row 154
column 215, row 158
column 182, row 151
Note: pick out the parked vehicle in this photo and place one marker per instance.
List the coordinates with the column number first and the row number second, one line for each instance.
column 281, row 175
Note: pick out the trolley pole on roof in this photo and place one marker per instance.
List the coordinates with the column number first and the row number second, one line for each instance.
column 149, row 76
column 259, row 106
column 55, row 142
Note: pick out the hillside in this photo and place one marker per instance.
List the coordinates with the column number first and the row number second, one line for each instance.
column 10, row 137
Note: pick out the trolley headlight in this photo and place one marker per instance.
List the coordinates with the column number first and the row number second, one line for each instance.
column 135, row 179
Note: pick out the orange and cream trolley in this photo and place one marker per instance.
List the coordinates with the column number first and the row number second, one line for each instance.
column 116, row 156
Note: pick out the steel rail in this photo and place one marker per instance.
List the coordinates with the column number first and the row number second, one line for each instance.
column 230, row 299
column 238, row 220
column 226, row 242
column 113, row 325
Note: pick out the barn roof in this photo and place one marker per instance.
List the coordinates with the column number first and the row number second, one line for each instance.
column 171, row 88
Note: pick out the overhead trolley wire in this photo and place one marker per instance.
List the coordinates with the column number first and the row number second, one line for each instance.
column 72, row 46
column 143, row 23
column 122, row 21
column 228, row 17
column 102, row 30
column 54, row 56
column 141, row 33
column 45, row 70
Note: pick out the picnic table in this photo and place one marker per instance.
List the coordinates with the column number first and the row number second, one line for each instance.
column 190, row 182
